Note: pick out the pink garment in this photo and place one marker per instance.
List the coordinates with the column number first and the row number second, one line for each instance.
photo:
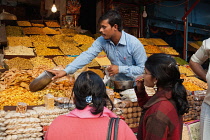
column 82, row 125
column 85, row 113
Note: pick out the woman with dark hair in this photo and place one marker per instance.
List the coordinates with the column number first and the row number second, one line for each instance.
column 162, row 113
column 89, row 121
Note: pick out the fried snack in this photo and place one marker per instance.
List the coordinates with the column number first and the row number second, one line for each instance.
column 37, row 24
column 47, row 52
column 41, row 60
column 52, row 24
column 184, row 70
column 19, row 63
column 23, row 23
column 152, row 49
column 14, row 31
column 98, row 71
column 93, row 63
column 169, row 50
column 15, row 94
column 70, row 49
column 191, row 87
column 18, row 50
column 33, row 30
column 70, row 32
column 21, row 107
column 83, row 39
column 63, row 60
column 15, row 77
column 47, row 30
column 43, row 40
column 60, row 39
column 19, row 41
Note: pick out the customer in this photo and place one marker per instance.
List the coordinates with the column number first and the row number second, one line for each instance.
column 126, row 53
column 162, row 113
column 89, row 121
column 197, row 59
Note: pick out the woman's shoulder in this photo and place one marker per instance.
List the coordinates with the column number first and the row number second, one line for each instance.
column 165, row 106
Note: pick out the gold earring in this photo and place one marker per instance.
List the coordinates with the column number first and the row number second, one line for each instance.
column 155, row 86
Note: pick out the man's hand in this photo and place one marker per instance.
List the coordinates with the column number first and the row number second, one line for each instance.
column 57, row 73
column 113, row 69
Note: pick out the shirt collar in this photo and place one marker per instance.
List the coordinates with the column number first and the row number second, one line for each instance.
column 122, row 39
column 157, row 97
column 86, row 113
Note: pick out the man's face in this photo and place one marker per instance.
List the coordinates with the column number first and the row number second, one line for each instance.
column 106, row 30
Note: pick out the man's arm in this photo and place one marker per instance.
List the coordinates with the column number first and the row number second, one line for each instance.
column 84, row 58
column 199, row 58
column 198, row 69
column 139, row 56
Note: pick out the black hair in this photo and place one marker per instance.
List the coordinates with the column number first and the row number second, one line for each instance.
column 164, row 68
column 113, row 17
column 89, row 83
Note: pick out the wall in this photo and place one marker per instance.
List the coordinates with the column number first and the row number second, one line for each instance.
column 169, row 14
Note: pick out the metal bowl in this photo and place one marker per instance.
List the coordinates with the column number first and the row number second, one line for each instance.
column 41, row 81
column 123, row 85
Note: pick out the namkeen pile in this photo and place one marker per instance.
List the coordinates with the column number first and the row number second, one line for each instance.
column 83, row 39
column 70, row 49
column 169, row 50
column 14, row 31
column 70, row 32
column 15, row 77
column 37, row 24
column 47, row 30
column 186, row 71
column 60, row 39
column 47, row 52
column 52, row 24
column 41, row 60
column 146, row 41
column 93, row 63
column 191, row 87
column 63, row 60
column 152, row 49
column 19, row 63
column 33, row 30
column 19, row 41
column 18, row 50
column 196, row 81
column 23, row 23
column 43, row 40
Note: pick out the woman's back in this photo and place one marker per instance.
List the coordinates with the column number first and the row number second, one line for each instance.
column 66, row 128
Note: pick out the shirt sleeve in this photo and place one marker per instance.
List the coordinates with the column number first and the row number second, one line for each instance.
column 201, row 54
column 139, row 57
column 142, row 97
column 84, row 58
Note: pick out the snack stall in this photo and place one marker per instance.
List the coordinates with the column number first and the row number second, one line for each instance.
column 34, row 46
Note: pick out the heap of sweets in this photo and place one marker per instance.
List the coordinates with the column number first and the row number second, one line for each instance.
column 23, row 125
column 47, row 116
column 131, row 112
column 3, row 134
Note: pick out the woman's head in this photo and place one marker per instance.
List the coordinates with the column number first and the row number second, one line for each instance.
column 89, row 85
column 162, row 70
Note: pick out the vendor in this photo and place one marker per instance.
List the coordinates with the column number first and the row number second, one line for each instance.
column 126, row 53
